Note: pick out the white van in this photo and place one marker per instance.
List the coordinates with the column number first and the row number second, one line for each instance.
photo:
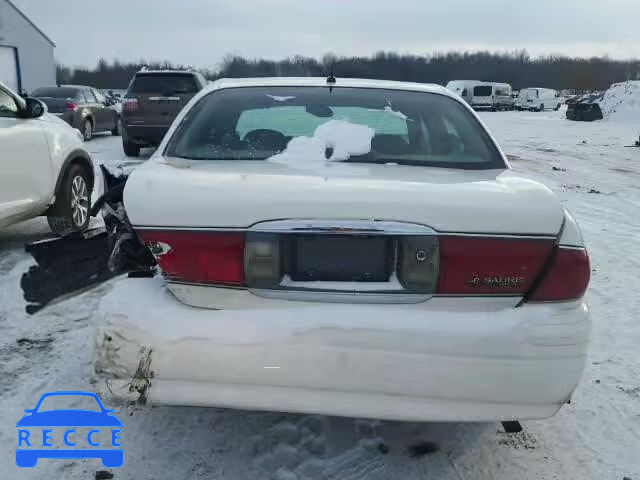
column 492, row 96
column 463, row 88
column 538, row 99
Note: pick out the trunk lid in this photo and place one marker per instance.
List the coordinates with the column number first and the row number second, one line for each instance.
column 237, row 194
column 55, row 105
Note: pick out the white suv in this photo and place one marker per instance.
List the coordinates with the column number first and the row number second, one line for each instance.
column 44, row 167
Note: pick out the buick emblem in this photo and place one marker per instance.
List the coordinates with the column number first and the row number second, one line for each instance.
column 421, row 256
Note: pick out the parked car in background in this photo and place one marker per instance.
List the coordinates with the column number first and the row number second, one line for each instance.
column 538, row 99
column 492, row 96
column 321, row 236
column 152, row 102
column 585, row 108
column 463, row 88
column 82, row 107
column 115, row 93
column 44, row 167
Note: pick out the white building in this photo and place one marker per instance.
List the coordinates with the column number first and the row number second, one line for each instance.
column 26, row 53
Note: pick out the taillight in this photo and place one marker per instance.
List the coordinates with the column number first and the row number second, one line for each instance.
column 262, row 262
column 71, row 106
column 130, row 105
column 566, row 278
column 198, row 257
column 490, row 266
column 418, row 263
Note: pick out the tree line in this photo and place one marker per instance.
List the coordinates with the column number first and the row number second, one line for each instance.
column 516, row 68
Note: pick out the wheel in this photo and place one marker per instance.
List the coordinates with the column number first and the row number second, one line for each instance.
column 541, row 107
column 87, row 130
column 130, row 149
column 70, row 213
column 118, row 128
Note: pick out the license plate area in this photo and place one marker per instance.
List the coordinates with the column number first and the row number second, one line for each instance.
column 340, row 258
column 344, row 261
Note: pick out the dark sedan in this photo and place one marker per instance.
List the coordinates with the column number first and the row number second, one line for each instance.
column 81, row 107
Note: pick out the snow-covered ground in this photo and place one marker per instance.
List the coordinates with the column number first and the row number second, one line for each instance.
column 596, row 437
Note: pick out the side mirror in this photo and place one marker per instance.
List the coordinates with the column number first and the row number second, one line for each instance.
column 34, row 108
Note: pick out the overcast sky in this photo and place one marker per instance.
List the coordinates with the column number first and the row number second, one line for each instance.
column 202, row 32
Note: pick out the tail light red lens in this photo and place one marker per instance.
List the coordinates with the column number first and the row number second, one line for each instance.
column 490, row 266
column 456, row 265
column 71, row 106
column 567, row 277
column 130, row 105
column 198, row 257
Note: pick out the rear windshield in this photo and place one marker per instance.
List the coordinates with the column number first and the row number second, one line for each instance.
column 483, row 91
column 55, row 92
column 342, row 124
column 163, row 83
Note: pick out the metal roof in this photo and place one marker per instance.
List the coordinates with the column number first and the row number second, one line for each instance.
column 20, row 12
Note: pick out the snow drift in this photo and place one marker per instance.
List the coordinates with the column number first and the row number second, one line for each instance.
column 622, row 102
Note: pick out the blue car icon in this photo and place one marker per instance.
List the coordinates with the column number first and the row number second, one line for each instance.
column 111, row 458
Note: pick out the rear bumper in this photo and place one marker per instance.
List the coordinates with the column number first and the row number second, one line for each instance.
column 145, row 134
column 443, row 360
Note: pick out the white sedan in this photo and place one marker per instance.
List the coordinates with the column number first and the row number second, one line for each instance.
column 347, row 247
column 44, row 167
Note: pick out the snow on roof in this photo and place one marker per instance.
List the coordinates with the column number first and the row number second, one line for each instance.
column 622, row 102
column 322, row 82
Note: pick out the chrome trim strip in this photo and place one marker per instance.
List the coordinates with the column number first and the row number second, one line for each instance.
column 342, row 227
column 341, row 297
column 212, row 285
column 191, row 229
column 497, row 235
column 571, row 247
column 421, row 230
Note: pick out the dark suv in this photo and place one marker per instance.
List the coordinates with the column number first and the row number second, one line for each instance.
column 152, row 102
column 82, row 107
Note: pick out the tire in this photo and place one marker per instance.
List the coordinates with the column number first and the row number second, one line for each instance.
column 70, row 213
column 87, row 130
column 130, row 149
column 116, row 132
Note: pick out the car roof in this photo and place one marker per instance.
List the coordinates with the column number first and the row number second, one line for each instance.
column 322, row 82
column 155, row 72
column 65, row 86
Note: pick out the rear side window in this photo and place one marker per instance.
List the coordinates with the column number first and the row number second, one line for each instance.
column 403, row 127
column 483, row 91
column 163, row 84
